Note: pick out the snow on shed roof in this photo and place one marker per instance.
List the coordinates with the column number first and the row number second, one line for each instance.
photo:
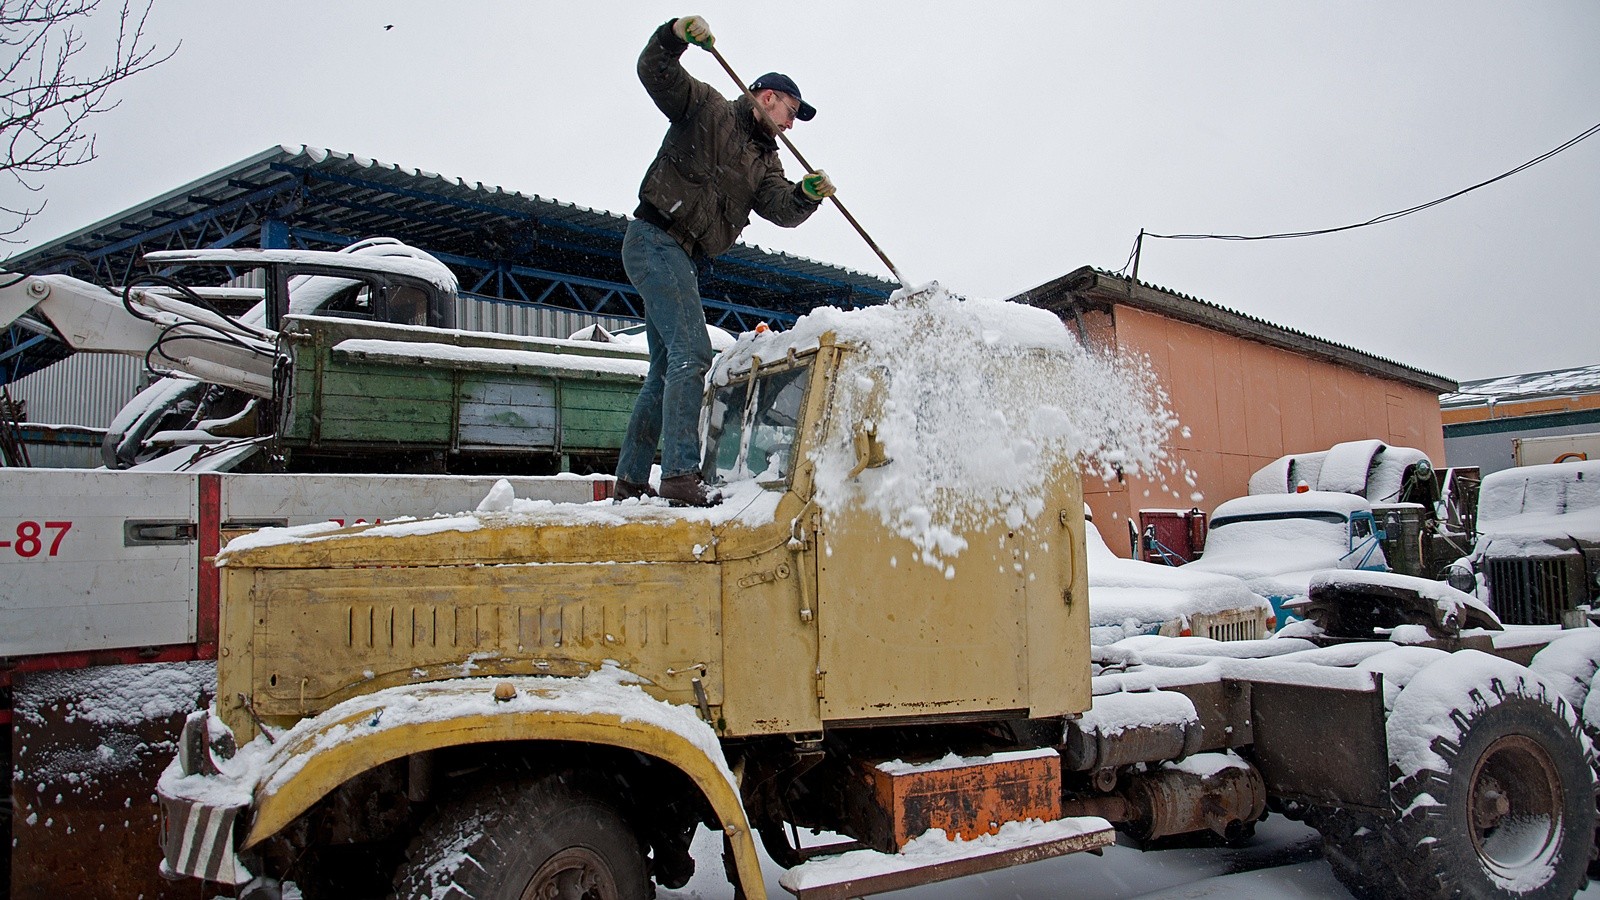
column 1530, row 386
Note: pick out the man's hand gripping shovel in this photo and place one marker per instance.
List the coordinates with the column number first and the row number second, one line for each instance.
column 907, row 296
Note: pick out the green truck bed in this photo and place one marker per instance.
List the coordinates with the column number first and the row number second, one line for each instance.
column 358, row 387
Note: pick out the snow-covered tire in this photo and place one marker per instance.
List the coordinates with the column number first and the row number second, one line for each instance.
column 1570, row 663
column 542, row 837
column 1492, row 791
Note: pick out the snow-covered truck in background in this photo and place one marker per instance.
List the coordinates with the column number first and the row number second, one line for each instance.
column 290, row 377
column 1426, row 515
column 1129, row 597
column 1537, row 556
column 1276, row 543
column 881, row 632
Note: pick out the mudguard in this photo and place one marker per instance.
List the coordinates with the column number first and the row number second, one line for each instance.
column 269, row 785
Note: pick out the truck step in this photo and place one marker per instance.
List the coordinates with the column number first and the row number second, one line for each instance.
column 932, row 858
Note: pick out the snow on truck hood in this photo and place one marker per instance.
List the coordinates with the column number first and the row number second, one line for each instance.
column 983, row 402
column 1535, row 510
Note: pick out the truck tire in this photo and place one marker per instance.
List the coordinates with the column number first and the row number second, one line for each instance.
column 1492, row 791
column 542, row 837
column 1352, row 845
column 1569, row 663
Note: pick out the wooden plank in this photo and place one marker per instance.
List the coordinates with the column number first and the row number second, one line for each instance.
column 385, row 419
column 894, row 875
column 606, row 398
column 593, row 438
column 387, row 381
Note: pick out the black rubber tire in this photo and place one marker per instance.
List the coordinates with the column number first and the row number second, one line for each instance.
column 496, row 842
column 1509, row 813
column 1353, row 847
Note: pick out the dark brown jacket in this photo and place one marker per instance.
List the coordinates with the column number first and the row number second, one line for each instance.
column 716, row 164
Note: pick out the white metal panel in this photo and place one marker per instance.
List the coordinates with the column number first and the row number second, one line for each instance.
column 353, row 499
column 1534, row 451
column 68, row 580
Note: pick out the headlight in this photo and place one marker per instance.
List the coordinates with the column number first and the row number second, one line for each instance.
column 1462, row 580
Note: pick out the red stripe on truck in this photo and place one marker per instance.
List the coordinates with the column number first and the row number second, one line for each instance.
column 207, row 579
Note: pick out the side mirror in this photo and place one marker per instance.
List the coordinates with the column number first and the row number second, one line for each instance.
column 870, row 452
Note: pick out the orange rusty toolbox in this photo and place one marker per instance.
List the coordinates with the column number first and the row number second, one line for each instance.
column 965, row 797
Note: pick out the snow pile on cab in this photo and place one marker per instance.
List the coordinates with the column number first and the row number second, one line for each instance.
column 977, row 404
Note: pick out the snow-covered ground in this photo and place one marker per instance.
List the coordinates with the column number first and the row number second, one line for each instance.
column 1282, row 862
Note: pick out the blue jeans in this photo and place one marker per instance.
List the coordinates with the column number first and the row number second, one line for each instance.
column 668, row 408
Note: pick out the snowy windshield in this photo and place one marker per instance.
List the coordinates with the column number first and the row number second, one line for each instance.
column 754, row 425
column 1251, row 546
column 1556, row 489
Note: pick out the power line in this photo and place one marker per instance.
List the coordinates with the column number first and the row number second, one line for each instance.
column 1133, row 255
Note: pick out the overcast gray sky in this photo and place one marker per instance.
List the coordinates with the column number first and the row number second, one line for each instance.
column 991, row 147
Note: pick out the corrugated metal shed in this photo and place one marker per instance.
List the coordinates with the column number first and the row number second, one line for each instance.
column 85, row 389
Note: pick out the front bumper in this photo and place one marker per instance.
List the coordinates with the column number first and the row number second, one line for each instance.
column 197, row 841
column 198, row 827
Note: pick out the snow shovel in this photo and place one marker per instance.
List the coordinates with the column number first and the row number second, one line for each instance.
column 910, row 296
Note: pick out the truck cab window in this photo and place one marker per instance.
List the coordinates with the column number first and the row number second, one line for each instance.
column 774, row 424
column 407, row 305
column 756, row 438
column 726, row 439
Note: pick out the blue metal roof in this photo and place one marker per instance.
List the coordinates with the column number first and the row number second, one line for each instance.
column 503, row 245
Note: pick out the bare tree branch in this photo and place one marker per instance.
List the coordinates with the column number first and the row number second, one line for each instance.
column 49, row 90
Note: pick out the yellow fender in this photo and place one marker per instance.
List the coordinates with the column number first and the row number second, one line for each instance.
column 321, row 753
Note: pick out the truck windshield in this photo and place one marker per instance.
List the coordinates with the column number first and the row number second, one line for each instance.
column 754, row 425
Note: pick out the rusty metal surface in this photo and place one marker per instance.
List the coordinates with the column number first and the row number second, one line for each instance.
column 957, row 868
column 966, row 801
column 1324, row 745
column 1224, row 708
column 1174, row 801
column 87, row 748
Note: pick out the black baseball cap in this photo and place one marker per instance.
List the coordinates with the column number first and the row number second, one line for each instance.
column 777, row 81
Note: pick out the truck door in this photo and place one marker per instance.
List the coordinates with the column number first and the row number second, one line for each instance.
column 1365, row 550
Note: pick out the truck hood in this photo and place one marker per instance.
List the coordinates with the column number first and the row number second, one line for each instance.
column 1538, row 534
column 507, row 530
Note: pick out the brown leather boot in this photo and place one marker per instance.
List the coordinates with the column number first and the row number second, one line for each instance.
column 628, row 490
column 688, row 490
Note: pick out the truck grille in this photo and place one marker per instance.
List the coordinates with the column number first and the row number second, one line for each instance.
column 1529, row 591
column 1249, row 630
column 1230, row 625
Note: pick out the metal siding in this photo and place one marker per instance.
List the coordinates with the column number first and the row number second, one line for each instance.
column 527, row 321
column 57, row 456
column 83, row 389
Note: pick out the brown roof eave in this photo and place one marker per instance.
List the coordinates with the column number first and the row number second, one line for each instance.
column 1087, row 286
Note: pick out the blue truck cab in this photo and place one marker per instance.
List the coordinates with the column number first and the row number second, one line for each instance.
column 1276, row 542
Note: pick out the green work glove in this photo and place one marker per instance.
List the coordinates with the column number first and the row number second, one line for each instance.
column 694, row 30
column 818, row 186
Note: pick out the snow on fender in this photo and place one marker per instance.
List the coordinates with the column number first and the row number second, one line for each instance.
column 1438, row 697
column 1494, row 785
column 1398, row 667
